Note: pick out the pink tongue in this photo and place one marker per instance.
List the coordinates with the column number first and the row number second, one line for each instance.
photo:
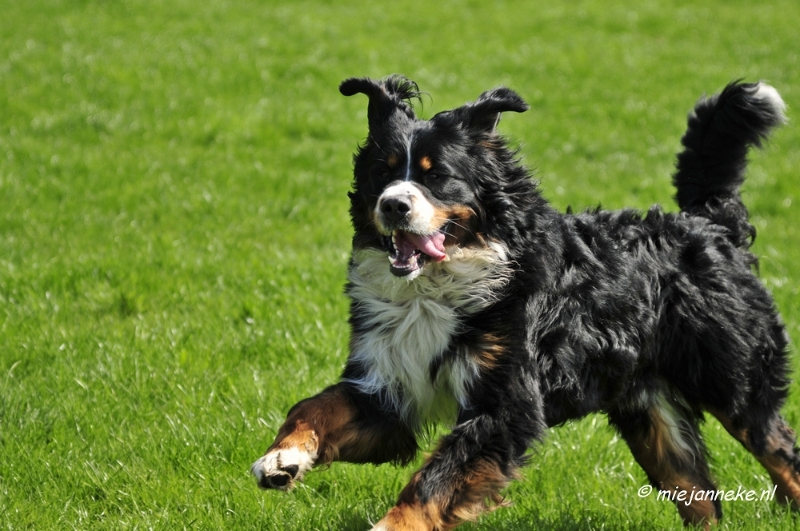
column 432, row 244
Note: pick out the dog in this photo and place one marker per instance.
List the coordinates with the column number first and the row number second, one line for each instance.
column 473, row 301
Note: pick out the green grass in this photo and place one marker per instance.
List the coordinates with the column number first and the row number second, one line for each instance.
column 174, row 234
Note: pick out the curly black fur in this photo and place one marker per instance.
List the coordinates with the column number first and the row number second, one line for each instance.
column 653, row 318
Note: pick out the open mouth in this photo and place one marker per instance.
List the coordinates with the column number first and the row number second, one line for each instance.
column 408, row 252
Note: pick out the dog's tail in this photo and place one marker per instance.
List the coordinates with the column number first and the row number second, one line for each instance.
column 711, row 167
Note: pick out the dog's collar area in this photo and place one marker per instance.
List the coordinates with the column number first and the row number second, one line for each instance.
column 408, row 252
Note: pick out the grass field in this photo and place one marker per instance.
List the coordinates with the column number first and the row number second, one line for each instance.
column 174, row 234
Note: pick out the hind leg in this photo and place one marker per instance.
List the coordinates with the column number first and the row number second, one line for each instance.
column 665, row 440
column 753, row 416
column 772, row 442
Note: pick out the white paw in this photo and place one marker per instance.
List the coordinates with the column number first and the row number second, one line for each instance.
column 280, row 468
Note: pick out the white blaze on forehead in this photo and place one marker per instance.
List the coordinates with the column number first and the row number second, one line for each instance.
column 422, row 214
column 408, row 158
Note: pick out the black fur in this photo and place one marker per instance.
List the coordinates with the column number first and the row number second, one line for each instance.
column 712, row 166
column 653, row 318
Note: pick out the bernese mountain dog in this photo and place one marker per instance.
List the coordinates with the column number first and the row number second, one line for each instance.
column 474, row 302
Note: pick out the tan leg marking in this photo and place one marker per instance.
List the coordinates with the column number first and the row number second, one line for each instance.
column 322, row 429
column 780, row 471
column 466, row 497
column 665, row 455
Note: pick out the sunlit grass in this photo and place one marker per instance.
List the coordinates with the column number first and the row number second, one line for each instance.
column 174, row 234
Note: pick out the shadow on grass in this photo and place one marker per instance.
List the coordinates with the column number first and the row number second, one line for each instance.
column 583, row 521
column 588, row 520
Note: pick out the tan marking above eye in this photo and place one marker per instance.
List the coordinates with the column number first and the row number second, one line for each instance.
column 392, row 161
column 425, row 163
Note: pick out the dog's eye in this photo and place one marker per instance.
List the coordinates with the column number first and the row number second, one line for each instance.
column 379, row 173
column 432, row 178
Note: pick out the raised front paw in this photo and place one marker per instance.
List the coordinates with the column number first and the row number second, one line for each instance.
column 281, row 467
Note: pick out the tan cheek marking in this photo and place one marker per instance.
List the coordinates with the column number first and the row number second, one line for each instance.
column 461, row 214
column 425, row 163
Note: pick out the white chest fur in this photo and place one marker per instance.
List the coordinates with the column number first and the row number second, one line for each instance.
column 411, row 323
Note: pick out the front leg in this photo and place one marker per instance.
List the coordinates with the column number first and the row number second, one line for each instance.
column 339, row 423
column 465, row 475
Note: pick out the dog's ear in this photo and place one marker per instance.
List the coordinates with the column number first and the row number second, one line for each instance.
column 484, row 114
column 386, row 96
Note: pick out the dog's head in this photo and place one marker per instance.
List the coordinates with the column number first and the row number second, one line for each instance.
column 420, row 184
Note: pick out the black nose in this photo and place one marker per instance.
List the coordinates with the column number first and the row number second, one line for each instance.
column 395, row 209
